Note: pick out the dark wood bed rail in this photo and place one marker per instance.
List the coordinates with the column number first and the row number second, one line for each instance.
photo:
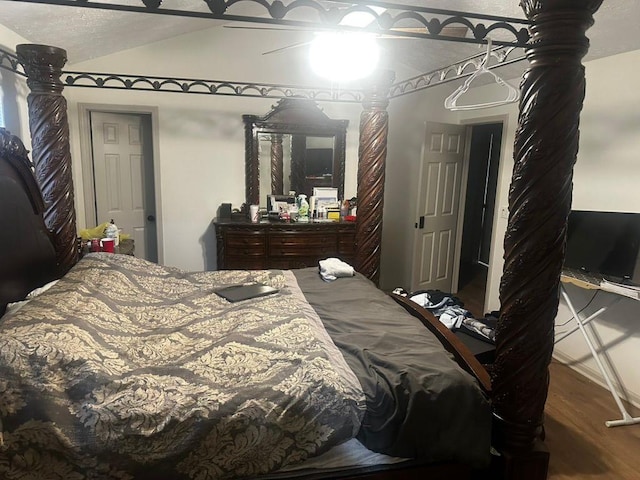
column 539, row 202
column 465, row 358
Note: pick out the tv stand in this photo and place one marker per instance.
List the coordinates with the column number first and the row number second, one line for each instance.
column 581, row 324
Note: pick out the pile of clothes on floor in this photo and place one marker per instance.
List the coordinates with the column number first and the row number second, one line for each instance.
column 451, row 313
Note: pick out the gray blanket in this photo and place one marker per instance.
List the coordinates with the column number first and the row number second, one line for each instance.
column 129, row 368
column 420, row 403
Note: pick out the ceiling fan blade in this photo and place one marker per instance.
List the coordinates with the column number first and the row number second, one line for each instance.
column 281, row 29
column 449, row 31
column 249, row 27
column 288, row 47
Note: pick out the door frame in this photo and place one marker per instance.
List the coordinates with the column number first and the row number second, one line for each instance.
column 470, row 123
column 86, row 155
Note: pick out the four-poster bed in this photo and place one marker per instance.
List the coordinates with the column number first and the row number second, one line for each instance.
column 552, row 92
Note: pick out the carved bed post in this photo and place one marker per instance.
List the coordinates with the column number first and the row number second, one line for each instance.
column 277, row 165
column 545, row 151
column 50, row 143
column 252, row 169
column 372, row 155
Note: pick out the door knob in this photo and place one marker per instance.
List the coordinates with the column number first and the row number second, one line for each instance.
column 151, row 218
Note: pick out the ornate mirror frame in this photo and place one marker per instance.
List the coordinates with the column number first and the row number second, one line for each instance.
column 295, row 116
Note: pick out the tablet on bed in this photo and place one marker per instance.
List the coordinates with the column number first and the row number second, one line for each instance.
column 237, row 293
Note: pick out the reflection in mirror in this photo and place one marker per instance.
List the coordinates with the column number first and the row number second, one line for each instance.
column 315, row 157
column 274, row 152
column 294, row 147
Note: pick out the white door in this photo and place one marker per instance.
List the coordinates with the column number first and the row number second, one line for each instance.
column 437, row 209
column 123, row 175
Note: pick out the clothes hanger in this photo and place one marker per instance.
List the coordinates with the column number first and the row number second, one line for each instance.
column 513, row 94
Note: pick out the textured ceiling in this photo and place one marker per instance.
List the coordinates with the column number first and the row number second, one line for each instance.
column 616, row 30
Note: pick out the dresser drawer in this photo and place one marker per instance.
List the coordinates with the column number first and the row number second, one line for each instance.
column 245, row 239
column 308, row 240
column 320, row 251
column 347, row 244
column 250, row 249
column 252, row 243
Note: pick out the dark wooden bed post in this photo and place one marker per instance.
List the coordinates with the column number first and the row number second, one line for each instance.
column 372, row 156
column 50, row 143
column 252, row 169
column 545, row 151
column 277, row 165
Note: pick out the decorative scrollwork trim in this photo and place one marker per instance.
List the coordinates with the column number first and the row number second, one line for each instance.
column 319, row 16
column 9, row 61
column 207, row 87
column 461, row 69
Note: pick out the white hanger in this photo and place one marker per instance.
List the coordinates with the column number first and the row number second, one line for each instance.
column 513, row 94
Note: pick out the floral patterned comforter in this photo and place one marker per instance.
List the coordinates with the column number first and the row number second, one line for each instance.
column 129, row 369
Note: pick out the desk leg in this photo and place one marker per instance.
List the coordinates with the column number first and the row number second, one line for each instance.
column 577, row 327
column 626, row 418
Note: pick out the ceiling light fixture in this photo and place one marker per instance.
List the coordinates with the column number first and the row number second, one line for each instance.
column 344, row 57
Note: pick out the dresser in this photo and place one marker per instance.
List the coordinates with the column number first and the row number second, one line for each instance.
column 244, row 245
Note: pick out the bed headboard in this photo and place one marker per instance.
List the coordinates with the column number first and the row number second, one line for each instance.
column 27, row 255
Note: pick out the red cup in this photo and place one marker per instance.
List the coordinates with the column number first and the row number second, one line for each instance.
column 108, row 245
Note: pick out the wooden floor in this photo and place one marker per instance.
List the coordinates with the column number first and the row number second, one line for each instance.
column 472, row 294
column 581, row 446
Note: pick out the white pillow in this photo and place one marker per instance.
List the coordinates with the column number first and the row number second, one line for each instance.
column 15, row 306
column 40, row 290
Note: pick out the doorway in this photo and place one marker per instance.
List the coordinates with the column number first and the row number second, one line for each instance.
column 479, row 207
column 119, row 178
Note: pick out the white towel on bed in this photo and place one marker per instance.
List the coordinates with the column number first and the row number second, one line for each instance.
column 332, row 268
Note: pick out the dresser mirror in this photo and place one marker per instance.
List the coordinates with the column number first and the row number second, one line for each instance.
column 294, row 147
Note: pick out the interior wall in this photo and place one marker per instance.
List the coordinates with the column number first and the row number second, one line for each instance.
column 605, row 178
column 201, row 137
column 407, row 117
column 14, row 91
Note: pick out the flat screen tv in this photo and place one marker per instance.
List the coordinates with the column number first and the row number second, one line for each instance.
column 605, row 243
